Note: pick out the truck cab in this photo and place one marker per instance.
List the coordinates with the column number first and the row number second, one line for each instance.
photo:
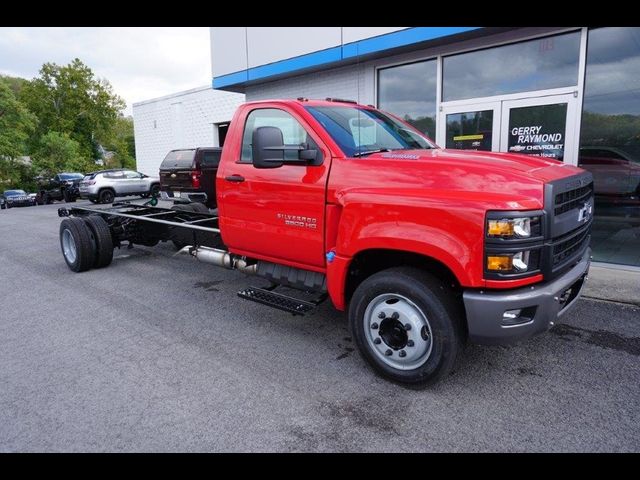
column 358, row 195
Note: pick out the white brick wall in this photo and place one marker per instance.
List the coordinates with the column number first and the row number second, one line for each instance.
column 181, row 120
column 354, row 82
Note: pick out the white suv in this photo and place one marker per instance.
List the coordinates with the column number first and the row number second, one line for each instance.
column 103, row 186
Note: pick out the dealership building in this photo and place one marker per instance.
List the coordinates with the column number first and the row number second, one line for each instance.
column 568, row 93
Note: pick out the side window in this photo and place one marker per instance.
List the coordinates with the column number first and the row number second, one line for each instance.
column 211, row 159
column 129, row 174
column 114, row 175
column 292, row 132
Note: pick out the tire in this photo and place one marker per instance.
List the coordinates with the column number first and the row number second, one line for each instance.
column 75, row 241
column 3, row 206
column 432, row 343
column 106, row 196
column 183, row 208
column 199, row 207
column 46, row 199
column 68, row 197
column 155, row 190
column 101, row 234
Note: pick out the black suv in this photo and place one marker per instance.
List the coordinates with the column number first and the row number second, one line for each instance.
column 63, row 186
column 189, row 175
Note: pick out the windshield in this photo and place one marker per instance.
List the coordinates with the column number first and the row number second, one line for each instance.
column 178, row 158
column 359, row 132
column 71, row 176
column 14, row 193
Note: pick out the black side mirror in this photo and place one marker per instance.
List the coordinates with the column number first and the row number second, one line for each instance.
column 263, row 140
column 268, row 150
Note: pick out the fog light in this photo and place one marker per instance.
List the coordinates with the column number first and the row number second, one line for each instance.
column 511, row 314
column 499, row 263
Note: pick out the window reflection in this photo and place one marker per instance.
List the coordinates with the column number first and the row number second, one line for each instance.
column 610, row 141
column 409, row 92
column 539, row 64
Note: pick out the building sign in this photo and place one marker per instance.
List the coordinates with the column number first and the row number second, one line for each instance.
column 538, row 130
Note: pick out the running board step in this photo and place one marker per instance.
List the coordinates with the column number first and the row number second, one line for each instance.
column 277, row 300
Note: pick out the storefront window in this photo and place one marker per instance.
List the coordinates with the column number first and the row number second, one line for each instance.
column 409, row 92
column 610, row 141
column 539, row 64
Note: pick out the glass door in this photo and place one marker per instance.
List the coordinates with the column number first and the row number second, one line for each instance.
column 539, row 126
column 470, row 126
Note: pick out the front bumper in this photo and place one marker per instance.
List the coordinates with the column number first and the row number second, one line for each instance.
column 540, row 305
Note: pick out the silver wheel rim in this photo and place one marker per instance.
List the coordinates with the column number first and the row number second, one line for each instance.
column 397, row 331
column 69, row 246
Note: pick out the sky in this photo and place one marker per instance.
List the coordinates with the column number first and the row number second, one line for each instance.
column 140, row 62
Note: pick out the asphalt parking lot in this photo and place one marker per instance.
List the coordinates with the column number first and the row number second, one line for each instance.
column 157, row 353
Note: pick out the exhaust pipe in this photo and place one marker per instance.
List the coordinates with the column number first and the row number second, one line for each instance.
column 220, row 258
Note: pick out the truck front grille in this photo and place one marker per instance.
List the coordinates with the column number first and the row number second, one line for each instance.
column 567, row 201
column 567, row 246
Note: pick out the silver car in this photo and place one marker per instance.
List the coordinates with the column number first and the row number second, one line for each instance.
column 103, row 186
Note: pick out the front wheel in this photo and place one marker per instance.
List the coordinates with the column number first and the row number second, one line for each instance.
column 407, row 325
column 106, row 196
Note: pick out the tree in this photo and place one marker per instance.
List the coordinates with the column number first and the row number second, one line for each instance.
column 16, row 123
column 57, row 152
column 121, row 143
column 14, row 83
column 71, row 100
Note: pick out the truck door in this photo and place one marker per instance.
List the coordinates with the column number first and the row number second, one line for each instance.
column 275, row 213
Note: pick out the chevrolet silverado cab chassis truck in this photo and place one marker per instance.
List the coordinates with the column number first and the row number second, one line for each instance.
column 424, row 248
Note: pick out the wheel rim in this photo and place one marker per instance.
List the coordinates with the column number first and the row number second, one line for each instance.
column 397, row 331
column 107, row 197
column 69, row 246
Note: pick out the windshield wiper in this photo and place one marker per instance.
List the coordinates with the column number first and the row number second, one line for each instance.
column 369, row 152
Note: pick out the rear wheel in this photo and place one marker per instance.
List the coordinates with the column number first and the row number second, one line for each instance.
column 77, row 247
column 68, row 196
column 182, row 208
column 199, row 207
column 407, row 325
column 106, row 196
column 101, row 235
column 155, row 190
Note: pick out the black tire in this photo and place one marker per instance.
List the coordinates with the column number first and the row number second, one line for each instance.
column 434, row 300
column 85, row 249
column 46, row 199
column 68, row 197
column 199, row 207
column 155, row 190
column 101, row 235
column 106, row 196
column 183, row 208
column 3, row 206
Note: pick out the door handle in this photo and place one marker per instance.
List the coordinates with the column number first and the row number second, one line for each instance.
column 235, row 178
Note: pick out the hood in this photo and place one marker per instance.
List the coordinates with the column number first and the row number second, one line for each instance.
column 514, row 180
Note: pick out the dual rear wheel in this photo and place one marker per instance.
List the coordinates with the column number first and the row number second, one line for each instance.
column 86, row 243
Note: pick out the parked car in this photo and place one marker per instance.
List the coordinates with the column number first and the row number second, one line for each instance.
column 105, row 185
column 34, row 197
column 16, row 198
column 616, row 173
column 189, row 175
column 62, row 186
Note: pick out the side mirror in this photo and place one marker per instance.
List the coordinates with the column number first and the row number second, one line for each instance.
column 263, row 140
column 268, row 150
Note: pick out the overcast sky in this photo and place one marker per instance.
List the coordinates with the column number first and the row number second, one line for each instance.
column 140, row 62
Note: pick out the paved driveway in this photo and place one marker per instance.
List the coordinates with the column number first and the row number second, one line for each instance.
column 157, row 353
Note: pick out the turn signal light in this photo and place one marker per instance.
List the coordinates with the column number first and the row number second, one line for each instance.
column 499, row 263
column 500, row 228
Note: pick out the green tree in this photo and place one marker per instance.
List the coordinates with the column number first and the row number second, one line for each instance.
column 16, row 123
column 71, row 100
column 58, row 152
column 14, row 83
column 121, row 143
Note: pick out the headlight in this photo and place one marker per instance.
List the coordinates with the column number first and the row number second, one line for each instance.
column 516, row 227
column 509, row 262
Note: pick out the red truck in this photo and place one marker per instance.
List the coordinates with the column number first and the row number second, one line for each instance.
column 424, row 248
